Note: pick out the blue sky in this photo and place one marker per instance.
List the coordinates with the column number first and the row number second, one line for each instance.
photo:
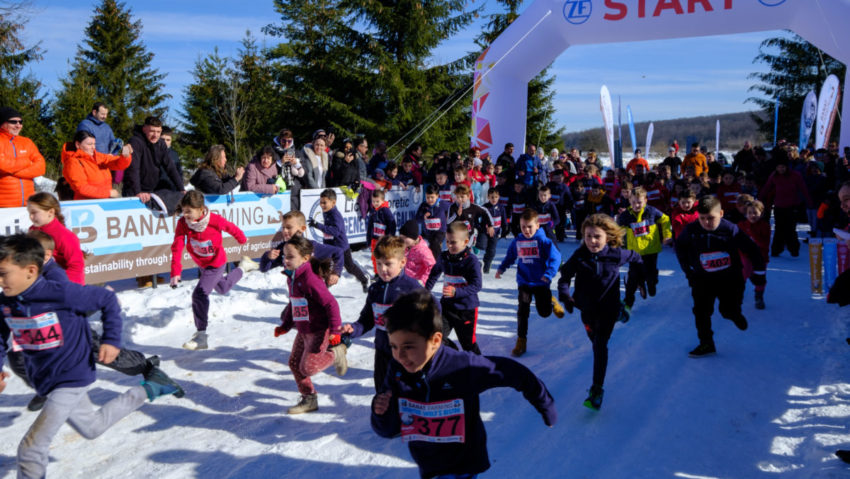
column 659, row 79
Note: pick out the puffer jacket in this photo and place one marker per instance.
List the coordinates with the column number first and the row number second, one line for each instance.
column 20, row 162
column 88, row 175
column 257, row 178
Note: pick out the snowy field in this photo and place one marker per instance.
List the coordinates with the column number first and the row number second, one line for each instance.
column 774, row 401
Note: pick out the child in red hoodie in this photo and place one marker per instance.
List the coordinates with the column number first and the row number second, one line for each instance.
column 46, row 216
column 201, row 230
column 685, row 212
column 758, row 229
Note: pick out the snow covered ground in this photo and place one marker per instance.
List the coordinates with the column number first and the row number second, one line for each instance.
column 774, row 402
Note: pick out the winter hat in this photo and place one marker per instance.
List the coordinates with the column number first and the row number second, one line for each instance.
column 410, row 229
column 318, row 133
column 671, row 149
column 477, row 162
column 7, row 113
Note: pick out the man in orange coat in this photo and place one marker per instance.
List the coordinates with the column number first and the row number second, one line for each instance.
column 695, row 160
column 637, row 160
column 20, row 161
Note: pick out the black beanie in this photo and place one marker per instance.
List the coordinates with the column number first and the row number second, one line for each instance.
column 7, row 113
column 410, row 229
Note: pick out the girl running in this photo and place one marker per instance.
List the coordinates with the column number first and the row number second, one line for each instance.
column 46, row 215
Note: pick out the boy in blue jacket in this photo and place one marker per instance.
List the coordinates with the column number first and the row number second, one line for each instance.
column 596, row 268
column 295, row 224
column 391, row 284
column 432, row 216
column 333, row 230
column 380, row 222
column 462, row 283
column 709, row 252
column 499, row 215
column 46, row 320
column 431, row 394
column 538, row 264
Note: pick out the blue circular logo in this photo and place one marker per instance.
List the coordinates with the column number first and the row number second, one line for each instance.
column 771, row 3
column 578, row 11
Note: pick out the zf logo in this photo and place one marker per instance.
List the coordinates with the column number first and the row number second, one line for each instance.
column 577, row 11
column 771, row 3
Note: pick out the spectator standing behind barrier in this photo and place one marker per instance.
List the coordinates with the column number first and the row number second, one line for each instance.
column 20, row 161
column 261, row 173
column 87, row 170
column 96, row 124
column 211, row 178
column 151, row 170
column 314, row 159
column 168, row 136
column 289, row 166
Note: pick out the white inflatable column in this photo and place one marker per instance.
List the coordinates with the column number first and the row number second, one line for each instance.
column 844, row 138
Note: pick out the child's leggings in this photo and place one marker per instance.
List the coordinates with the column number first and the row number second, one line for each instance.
column 211, row 279
column 309, row 356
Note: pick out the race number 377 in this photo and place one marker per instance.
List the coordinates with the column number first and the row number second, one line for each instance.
column 36, row 333
column 439, row 422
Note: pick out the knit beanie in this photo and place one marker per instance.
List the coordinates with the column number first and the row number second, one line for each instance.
column 410, row 229
column 7, row 113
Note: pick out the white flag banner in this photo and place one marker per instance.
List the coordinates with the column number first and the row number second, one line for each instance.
column 649, row 133
column 807, row 118
column 827, row 107
column 717, row 141
column 608, row 119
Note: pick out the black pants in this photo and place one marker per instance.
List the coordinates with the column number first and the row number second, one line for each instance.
column 435, row 242
column 785, row 231
column 294, row 194
column 542, row 297
column 728, row 290
column 19, row 366
column 638, row 273
column 352, row 268
column 490, row 249
column 464, row 323
column 515, row 226
column 561, row 229
column 599, row 325
column 578, row 218
column 382, row 363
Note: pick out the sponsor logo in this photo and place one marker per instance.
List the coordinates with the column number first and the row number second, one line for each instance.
column 771, row 3
column 577, row 11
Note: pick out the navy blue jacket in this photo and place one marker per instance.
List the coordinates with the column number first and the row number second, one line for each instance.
column 475, row 217
column 499, row 215
column 438, row 212
column 561, row 195
column 65, row 358
column 456, row 378
column 597, row 277
column 549, row 217
column 463, row 271
column 381, row 216
column 517, row 203
column 538, row 257
column 446, row 191
column 333, row 229
column 320, row 251
column 381, row 296
column 715, row 254
column 53, row 272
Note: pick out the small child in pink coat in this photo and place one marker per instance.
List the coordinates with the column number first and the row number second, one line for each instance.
column 420, row 259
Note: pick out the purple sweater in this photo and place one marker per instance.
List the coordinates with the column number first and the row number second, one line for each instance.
column 312, row 308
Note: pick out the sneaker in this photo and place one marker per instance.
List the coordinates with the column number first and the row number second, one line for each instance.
column 651, row 288
column 308, row 403
column 557, row 308
column 594, row 397
column 740, row 322
column 198, row 341
column 760, row 300
column 702, row 350
column 36, row 403
column 486, row 269
column 843, row 454
column 340, row 359
column 625, row 313
column 157, row 384
column 519, row 349
column 247, row 265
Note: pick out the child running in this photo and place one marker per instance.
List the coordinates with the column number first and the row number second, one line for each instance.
column 431, row 395
column 333, row 228
column 420, row 260
column 684, row 213
column 46, row 215
column 295, row 224
column 380, row 222
column 462, row 283
column 45, row 320
column 314, row 312
column 758, row 229
column 433, row 215
column 596, row 268
column 709, row 253
column 499, row 214
column 647, row 229
column 201, row 230
column 538, row 264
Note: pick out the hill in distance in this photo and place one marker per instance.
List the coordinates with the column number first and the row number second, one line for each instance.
column 735, row 129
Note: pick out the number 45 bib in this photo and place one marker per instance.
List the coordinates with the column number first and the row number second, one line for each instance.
column 439, row 422
column 36, row 333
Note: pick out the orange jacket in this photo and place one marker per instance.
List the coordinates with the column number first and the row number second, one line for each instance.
column 697, row 161
column 632, row 166
column 88, row 175
column 20, row 162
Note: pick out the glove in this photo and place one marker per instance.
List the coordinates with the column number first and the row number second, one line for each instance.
column 758, row 278
column 271, row 181
column 280, row 331
column 569, row 303
column 175, row 281
column 311, row 223
column 334, row 339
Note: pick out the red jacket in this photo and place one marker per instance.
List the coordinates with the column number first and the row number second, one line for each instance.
column 312, row 308
column 728, row 195
column 88, row 175
column 679, row 219
column 20, row 162
column 658, row 196
column 204, row 247
column 68, row 253
column 759, row 232
column 785, row 191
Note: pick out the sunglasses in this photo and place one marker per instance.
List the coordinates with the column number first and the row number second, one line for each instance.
column 15, row 122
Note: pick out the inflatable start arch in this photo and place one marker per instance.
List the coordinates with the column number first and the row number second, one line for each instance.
column 548, row 27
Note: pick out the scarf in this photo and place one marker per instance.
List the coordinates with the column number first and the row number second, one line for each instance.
column 200, row 225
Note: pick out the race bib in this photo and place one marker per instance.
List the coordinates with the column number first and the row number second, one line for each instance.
column 653, row 195
column 438, row 422
column 731, row 197
column 579, row 203
column 503, row 201
column 556, row 198
column 527, row 250
column 446, row 195
column 518, row 208
column 202, row 248
column 715, row 261
column 378, row 230
column 378, row 311
column 456, row 281
column 327, row 236
column 36, row 333
column 497, row 222
column 300, row 311
column 433, row 224
column 640, row 229
column 544, row 219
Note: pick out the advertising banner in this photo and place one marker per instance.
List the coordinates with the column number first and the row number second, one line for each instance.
column 807, row 118
column 608, row 119
column 827, row 107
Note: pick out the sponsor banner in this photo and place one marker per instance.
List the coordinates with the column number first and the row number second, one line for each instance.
column 123, row 239
column 631, row 127
column 815, row 266
column 607, row 118
column 403, row 203
column 649, row 133
column 807, row 118
column 827, row 107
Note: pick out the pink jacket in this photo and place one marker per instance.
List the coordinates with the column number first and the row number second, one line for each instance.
column 420, row 260
column 204, row 247
column 68, row 253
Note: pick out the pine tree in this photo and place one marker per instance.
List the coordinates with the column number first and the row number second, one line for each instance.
column 113, row 64
column 796, row 68
column 541, row 128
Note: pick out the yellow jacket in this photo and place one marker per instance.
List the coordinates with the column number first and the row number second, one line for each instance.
column 645, row 230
